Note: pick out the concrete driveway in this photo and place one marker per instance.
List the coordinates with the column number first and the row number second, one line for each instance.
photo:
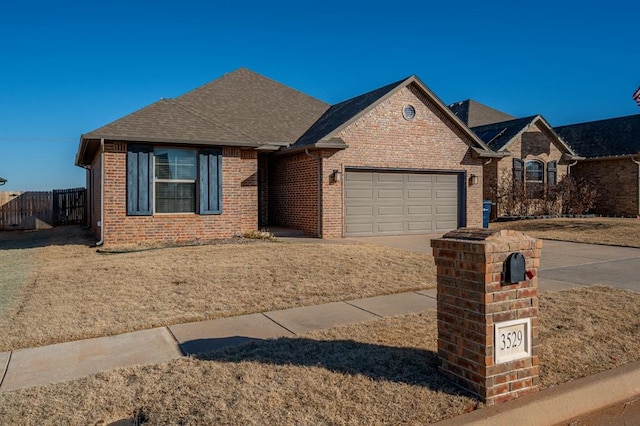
column 562, row 264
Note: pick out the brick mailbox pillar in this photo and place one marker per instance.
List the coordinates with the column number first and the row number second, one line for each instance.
column 488, row 328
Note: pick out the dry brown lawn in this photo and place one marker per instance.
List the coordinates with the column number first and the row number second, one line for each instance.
column 61, row 289
column 597, row 230
column 378, row 372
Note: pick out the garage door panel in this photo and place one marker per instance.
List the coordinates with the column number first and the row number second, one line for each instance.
column 446, row 210
column 424, row 226
column 396, row 211
column 419, row 193
column 393, row 203
column 354, row 194
column 389, row 177
column 450, row 194
column 414, row 210
column 396, row 194
column 419, row 177
column 359, row 229
column 359, row 211
column 390, row 227
column 359, row 177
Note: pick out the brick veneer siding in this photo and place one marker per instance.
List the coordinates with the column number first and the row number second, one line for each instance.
column 239, row 204
column 471, row 300
column 617, row 182
column 534, row 144
column 293, row 192
column 382, row 138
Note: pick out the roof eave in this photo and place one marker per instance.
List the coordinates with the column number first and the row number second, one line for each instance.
column 613, row 157
column 483, row 153
column 333, row 143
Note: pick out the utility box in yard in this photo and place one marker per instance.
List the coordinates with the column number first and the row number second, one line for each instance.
column 488, row 321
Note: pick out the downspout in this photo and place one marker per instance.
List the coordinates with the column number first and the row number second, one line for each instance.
column 638, row 163
column 319, row 158
column 569, row 167
column 99, row 243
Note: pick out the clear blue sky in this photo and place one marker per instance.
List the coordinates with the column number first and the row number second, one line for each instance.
column 68, row 67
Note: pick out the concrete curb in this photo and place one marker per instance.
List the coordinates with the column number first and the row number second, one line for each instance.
column 560, row 403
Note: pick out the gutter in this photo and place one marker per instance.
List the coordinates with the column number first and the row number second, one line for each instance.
column 101, row 242
column 319, row 158
column 324, row 144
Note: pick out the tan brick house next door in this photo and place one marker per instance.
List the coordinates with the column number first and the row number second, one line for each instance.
column 397, row 203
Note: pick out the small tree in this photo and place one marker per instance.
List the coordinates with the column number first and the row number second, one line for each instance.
column 578, row 195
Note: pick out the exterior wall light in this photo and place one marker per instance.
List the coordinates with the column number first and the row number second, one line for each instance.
column 473, row 179
column 336, row 176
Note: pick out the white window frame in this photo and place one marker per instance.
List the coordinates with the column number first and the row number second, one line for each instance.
column 193, row 181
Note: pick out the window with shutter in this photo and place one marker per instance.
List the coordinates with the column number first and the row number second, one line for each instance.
column 518, row 171
column 139, row 180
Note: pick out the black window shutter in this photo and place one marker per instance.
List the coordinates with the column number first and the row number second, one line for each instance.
column 139, row 180
column 552, row 172
column 210, row 181
column 518, row 171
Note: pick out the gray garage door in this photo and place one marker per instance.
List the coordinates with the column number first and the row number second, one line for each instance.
column 389, row 203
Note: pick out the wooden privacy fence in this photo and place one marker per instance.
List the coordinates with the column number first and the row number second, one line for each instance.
column 37, row 209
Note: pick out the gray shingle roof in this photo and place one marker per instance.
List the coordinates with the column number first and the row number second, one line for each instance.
column 169, row 121
column 604, row 138
column 475, row 114
column 263, row 109
column 239, row 107
column 497, row 135
column 339, row 114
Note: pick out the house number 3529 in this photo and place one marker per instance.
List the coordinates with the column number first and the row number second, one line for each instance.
column 511, row 340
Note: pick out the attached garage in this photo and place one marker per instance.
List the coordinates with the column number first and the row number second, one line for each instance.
column 381, row 202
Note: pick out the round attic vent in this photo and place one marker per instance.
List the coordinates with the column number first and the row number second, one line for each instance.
column 408, row 112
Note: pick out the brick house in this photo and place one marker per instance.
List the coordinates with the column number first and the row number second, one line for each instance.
column 612, row 160
column 244, row 152
column 532, row 153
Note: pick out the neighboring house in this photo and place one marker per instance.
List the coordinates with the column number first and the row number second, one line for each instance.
column 535, row 158
column 532, row 154
column 612, row 151
column 244, row 152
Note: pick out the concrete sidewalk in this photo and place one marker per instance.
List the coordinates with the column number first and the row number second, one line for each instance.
column 71, row 360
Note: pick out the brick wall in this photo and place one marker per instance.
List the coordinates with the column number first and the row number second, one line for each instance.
column 472, row 299
column 617, row 184
column 239, row 204
column 384, row 139
column 293, row 192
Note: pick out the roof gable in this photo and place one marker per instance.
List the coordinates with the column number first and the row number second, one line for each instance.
column 612, row 137
column 498, row 136
column 341, row 115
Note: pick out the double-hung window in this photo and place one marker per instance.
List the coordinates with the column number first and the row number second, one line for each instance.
column 534, row 171
column 173, row 180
